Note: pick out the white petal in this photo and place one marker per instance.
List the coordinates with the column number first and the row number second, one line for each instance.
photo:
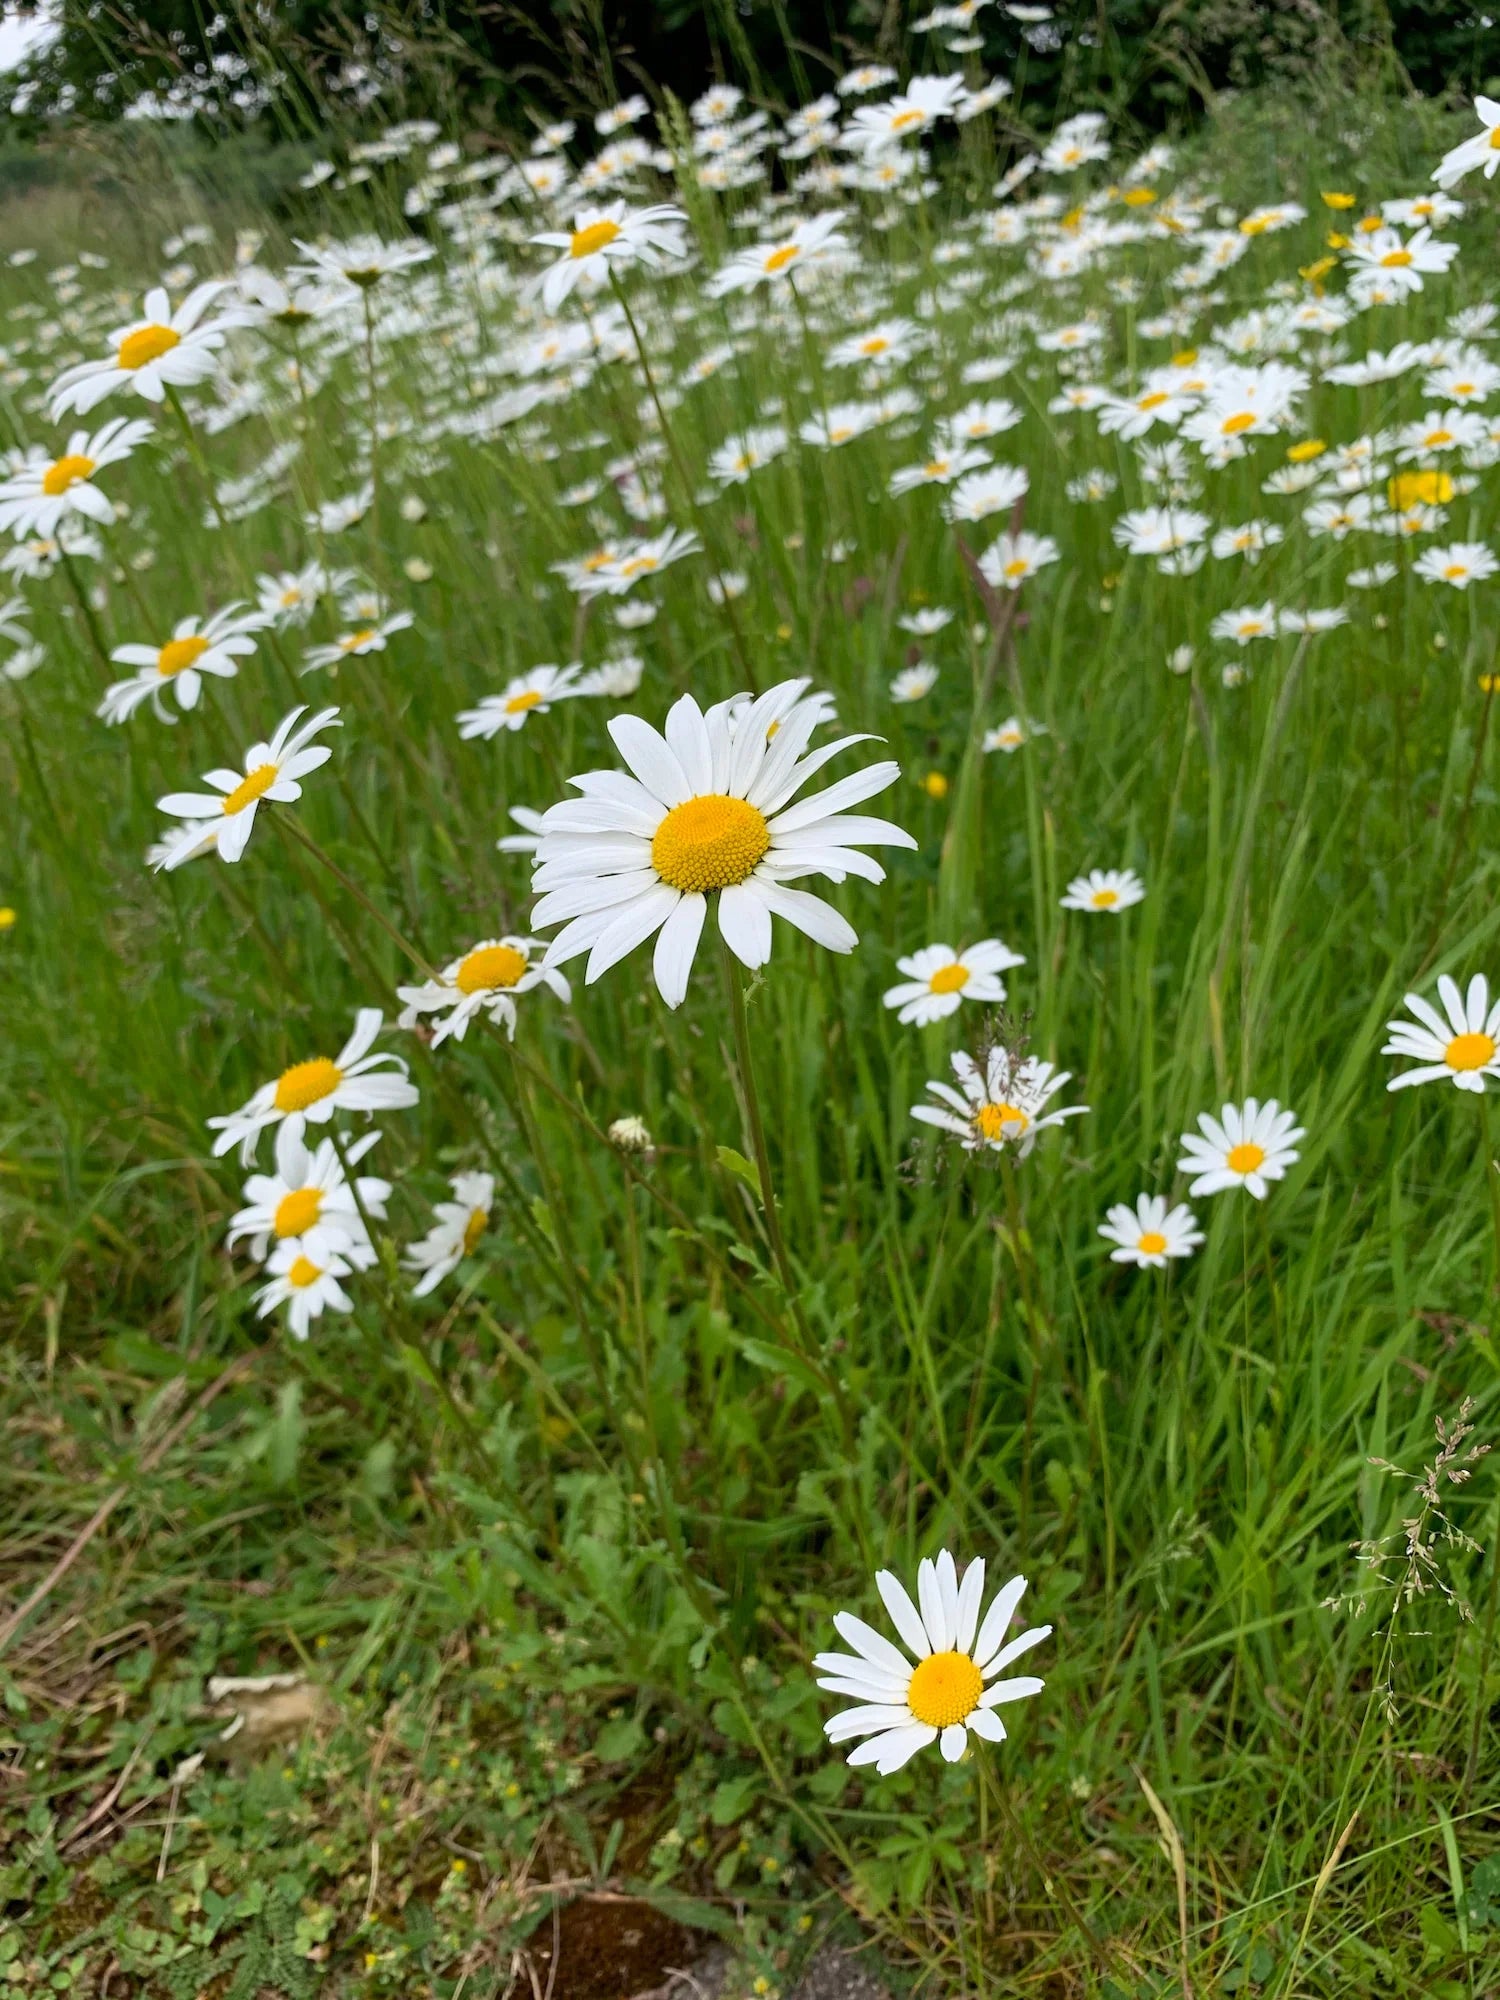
column 903, row 1613
column 676, row 946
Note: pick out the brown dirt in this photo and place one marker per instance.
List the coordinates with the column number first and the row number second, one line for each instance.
column 613, row 1948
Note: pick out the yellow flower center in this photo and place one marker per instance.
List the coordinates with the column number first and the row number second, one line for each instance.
column 298, row 1211
column 1103, row 899
column 1308, row 448
column 992, row 1121
column 949, row 979
column 1185, row 357
column 710, row 842
column 489, row 966
column 1427, row 489
column 1017, row 566
column 586, row 242
column 1245, row 1157
column 1495, row 139
column 147, row 343
column 1465, row 388
column 876, row 344
column 474, row 1228
column 303, row 1273
column 1139, row 197
column 1438, row 437
column 944, row 1689
column 1152, row 402
column 65, row 472
column 1395, row 260
column 1240, row 421
column 352, row 641
column 1151, row 1243
column 305, row 1083
column 519, row 703
column 251, row 787
column 179, row 654
column 1456, row 570
column 1466, row 1052
column 290, row 597
column 904, row 120
column 779, row 259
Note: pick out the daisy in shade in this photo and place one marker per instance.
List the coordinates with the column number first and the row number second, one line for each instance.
column 305, row 1287
column 308, row 1202
column 1003, row 1104
column 368, row 637
column 1008, row 562
column 950, row 1683
column 1459, row 564
column 198, row 646
column 1148, row 1234
column 1246, row 1146
column 456, row 1229
column 272, row 772
column 312, row 1090
column 706, row 810
column 484, row 981
column 602, row 238
column 1112, row 889
column 536, row 690
column 162, row 350
column 938, row 979
column 37, row 496
column 1461, row 1049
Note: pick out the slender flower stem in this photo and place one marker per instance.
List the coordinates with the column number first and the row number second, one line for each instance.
column 1492, row 1183
column 75, row 584
column 347, row 883
column 377, row 560
column 735, row 980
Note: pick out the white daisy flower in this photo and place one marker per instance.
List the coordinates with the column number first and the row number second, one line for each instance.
column 37, row 495
column 1246, row 1146
column 1481, row 149
column 938, row 979
column 310, row 1092
column 1458, row 564
column 1008, row 562
column 923, row 624
column 1002, row 1105
column 538, row 690
column 484, row 981
column 912, row 683
column 369, row 637
column 456, row 1230
column 708, row 808
column 602, row 238
column 980, row 494
column 272, row 772
column 304, row 1286
column 309, row 1202
column 1112, row 889
column 1461, row 1049
column 953, row 1685
column 198, row 646
column 162, row 350
column 1150, row 1233
column 1009, row 735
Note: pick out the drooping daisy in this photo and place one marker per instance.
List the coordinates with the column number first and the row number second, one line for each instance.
column 304, row 1286
column 708, row 808
column 368, row 637
column 456, row 1229
column 602, row 238
column 1007, row 562
column 1004, row 1104
column 536, row 690
column 162, row 350
column 1112, row 889
column 1150, row 1233
column 484, row 981
column 1458, row 564
column 272, row 772
column 198, row 646
column 36, row 497
column 1464, row 1049
column 310, row 1092
column 938, row 979
column 308, row 1202
column 953, row 1685
column 1246, row 1146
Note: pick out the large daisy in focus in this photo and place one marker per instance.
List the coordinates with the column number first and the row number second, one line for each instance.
column 706, row 809
column 951, row 1689
column 1464, row 1049
column 162, row 350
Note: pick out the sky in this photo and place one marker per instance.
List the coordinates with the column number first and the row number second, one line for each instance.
column 20, row 34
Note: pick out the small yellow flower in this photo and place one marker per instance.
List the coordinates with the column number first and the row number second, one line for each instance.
column 783, row 632
column 1304, row 449
column 935, row 785
column 1336, row 241
column 1332, row 199
column 7, row 917
column 1489, row 683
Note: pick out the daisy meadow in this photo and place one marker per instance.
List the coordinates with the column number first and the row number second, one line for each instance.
column 1247, row 1145
column 945, row 1684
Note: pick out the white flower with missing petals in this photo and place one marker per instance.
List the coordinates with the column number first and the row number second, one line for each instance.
column 484, row 981
column 456, row 1229
column 952, row 1688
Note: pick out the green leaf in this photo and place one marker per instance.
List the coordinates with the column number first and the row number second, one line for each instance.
column 286, row 1434
column 619, row 1740
column 734, row 1798
column 740, row 1167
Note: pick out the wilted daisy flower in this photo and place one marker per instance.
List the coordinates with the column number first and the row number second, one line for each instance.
column 538, row 690
column 708, row 808
column 36, row 497
column 197, row 646
column 1004, row 1104
column 308, row 1202
column 160, row 351
column 1246, row 1146
column 484, row 981
column 311, row 1091
column 1458, row 564
column 1460, row 1050
column 272, row 772
column 938, row 978
column 604, row 237
column 1150, row 1233
column 456, row 1229
column 1008, row 562
column 365, row 638
column 1112, row 889
column 951, row 1689
column 914, row 682
column 306, row 1287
